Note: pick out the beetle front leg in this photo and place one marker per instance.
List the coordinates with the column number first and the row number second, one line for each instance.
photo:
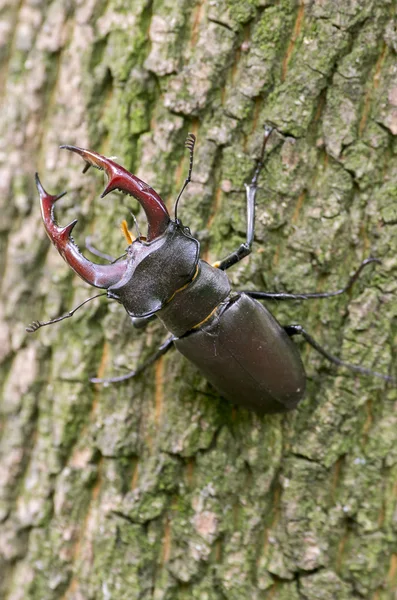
column 245, row 249
column 128, row 235
column 97, row 252
column 292, row 330
column 160, row 352
column 101, row 254
column 250, row 194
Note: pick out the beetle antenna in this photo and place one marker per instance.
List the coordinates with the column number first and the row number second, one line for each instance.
column 189, row 143
column 37, row 324
column 136, row 224
column 314, row 295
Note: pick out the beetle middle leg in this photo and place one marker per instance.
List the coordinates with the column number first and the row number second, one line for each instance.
column 313, row 295
column 292, row 330
column 155, row 356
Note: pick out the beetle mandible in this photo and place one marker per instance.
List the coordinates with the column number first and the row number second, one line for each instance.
column 234, row 340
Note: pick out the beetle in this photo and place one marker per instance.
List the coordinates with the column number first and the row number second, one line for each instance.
column 234, row 340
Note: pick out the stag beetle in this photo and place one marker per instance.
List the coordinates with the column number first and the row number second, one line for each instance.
column 235, row 341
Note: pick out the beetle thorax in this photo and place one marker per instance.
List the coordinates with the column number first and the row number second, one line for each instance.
column 156, row 270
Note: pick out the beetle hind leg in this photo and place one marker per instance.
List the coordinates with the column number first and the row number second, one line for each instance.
column 292, row 330
column 155, row 356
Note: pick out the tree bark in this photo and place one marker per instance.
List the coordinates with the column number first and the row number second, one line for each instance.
column 158, row 488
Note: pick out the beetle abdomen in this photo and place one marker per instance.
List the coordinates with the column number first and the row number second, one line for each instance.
column 246, row 354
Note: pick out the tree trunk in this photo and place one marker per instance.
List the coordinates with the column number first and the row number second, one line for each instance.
column 158, row 488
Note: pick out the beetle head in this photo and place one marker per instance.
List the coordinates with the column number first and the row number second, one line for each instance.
column 155, row 267
column 157, row 270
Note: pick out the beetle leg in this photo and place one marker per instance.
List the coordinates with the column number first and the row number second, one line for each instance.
column 127, row 234
column 37, row 324
column 162, row 350
column 97, row 252
column 250, row 193
column 313, row 295
column 292, row 330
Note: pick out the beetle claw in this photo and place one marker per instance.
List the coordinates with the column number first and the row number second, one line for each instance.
column 119, row 178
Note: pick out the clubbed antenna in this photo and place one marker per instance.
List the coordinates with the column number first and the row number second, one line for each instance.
column 189, row 144
column 37, row 324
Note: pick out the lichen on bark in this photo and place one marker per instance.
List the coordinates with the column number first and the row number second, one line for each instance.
column 158, row 488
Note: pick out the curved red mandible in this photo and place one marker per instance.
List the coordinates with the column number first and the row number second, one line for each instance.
column 101, row 276
column 121, row 179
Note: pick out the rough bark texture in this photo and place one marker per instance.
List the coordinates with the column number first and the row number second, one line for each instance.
column 159, row 489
